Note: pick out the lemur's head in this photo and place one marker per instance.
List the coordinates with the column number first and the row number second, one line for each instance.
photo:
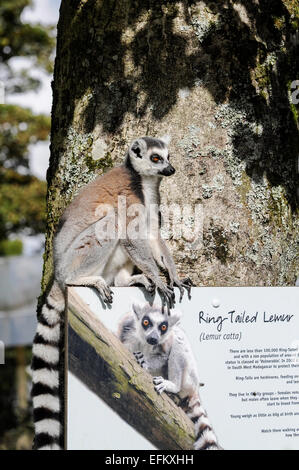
column 153, row 326
column 149, row 156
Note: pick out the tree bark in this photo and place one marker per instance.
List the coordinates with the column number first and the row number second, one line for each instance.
column 214, row 75
column 101, row 362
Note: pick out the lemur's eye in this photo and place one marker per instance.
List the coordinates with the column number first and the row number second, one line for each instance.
column 145, row 322
column 164, row 327
column 155, row 158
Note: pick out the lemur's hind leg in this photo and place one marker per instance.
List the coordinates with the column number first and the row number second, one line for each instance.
column 85, row 261
column 142, row 279
column 126, row 278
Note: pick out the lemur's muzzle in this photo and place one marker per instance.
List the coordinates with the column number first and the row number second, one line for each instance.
column 152, row 341
column 168, row 171
column 153, row 338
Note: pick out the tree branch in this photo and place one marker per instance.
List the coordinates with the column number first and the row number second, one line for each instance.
column 101, row 362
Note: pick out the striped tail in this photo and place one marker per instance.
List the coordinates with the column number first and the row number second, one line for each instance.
column 205, row 438
column 47, row 373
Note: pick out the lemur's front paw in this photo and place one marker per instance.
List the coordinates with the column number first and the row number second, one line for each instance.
column 140, row 359
column 159, row 384
column 105, row 291
column 151, row 288
column 185, row 283
column 168, row 296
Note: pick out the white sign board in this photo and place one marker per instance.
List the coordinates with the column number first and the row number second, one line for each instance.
column 246, row 344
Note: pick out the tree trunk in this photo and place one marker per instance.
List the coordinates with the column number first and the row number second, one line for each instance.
column 216, row 77
column 104, row 365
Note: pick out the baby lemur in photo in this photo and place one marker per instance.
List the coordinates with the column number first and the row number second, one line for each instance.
column 161, row 347
column 82, row 258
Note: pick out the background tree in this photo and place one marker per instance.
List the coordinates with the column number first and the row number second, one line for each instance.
column 216, row 76
column 22, row 196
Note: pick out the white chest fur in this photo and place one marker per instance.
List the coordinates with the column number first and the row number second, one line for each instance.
column 150, row 188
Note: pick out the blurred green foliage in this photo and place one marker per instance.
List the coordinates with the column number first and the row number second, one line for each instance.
column 22, row 203
column 11, row 247
column 20, row 39
column 19, row 128
column 22, row 196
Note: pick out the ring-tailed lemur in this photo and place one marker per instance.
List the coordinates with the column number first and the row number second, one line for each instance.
column 161, row 347
column 81, row 258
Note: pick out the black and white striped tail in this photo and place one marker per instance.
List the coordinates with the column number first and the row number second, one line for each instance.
column 46, row 373
column 205, row 438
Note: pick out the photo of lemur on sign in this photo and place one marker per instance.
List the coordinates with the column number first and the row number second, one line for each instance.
column 220, row 371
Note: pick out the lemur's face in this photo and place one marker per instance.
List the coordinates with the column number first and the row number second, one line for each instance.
column 149, row 157
column 154, row 326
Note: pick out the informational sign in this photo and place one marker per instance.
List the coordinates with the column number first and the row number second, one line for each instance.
column 246, row 345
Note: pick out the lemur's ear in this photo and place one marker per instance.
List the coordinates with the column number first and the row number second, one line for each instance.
column 137, row 309
column 137, row 147
column 174, row 317
column 166, row 139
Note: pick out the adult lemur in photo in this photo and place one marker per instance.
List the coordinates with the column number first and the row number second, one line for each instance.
column 161, row 347
column 82, row 258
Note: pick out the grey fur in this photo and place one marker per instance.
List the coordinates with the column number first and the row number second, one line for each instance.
column 89, row 265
